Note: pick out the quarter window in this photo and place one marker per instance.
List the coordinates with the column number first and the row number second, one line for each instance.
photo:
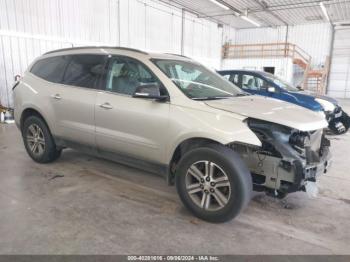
column 84, row 70
column 125, row 75
column 50, row 69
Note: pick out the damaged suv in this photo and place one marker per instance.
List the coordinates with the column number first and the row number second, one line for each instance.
column 170, row 115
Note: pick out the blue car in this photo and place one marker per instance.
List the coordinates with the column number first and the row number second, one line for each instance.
column 266, row 84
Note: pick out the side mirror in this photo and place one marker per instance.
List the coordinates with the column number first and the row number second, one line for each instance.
column 150, row 91
column 271, row 89
column 17, row 78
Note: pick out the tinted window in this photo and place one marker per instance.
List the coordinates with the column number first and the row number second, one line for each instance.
column 50, row 69
column 227, row 76
column 84, row 70
column 126, row 74
column 234, row 78
column 253, row 83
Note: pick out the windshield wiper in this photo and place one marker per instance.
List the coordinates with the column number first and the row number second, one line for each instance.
column 244, row 94
column 210, row 98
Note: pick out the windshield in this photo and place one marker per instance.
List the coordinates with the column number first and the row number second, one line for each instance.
column 197, row 82
column 281, row 83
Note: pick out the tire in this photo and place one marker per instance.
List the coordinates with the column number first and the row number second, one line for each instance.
column 237, row 188
column 35, row 131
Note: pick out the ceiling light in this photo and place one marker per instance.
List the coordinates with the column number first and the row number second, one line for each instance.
column 220, row 4
column 250, row 20
column 324, row 10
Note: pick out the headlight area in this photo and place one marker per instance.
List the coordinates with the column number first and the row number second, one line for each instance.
column 338, row 120
column 327, row 106
column 287, row 159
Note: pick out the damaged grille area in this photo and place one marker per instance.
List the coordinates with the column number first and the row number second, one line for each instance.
column 287, row 158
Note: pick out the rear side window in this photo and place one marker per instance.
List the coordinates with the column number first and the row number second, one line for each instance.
column 84, row 70
column 51, row 69
column 234, row 78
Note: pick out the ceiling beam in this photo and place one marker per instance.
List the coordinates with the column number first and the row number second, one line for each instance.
column 293, row 6
column 265, row 8
column 178, row 5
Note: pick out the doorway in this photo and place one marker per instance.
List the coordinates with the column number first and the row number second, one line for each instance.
column 269, row 69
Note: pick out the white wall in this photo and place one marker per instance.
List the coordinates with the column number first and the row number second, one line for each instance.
column 30, row 28
column 339, row 77
column 315, row 39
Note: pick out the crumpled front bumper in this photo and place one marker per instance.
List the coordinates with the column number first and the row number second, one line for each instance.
column 312, row 171
column 287, row 159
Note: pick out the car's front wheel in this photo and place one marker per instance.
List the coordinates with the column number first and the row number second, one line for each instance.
column 38, row 140
column 213, row 183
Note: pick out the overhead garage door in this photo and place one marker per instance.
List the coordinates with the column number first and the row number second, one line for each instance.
column 339, row 78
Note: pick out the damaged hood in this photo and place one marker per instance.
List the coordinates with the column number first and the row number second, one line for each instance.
column 272, row 110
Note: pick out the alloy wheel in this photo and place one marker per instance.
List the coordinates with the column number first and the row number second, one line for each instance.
column 35, row 139
column 208, row 185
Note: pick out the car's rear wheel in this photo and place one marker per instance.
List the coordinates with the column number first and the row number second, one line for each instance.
column 38, row 140
column 213, row 183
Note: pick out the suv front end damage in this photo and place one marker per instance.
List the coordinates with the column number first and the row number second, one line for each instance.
column 288, row 158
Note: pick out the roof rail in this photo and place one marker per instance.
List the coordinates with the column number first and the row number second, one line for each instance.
column 92, row 47
column 178, row 55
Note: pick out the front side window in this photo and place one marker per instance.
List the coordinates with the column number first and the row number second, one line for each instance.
column 281, row 83
column 50, row 69
column 84, row 70
column 125, row 75
column 195, row 81
column 254, row 83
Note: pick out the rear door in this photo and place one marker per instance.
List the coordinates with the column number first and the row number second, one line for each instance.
column 74, row 98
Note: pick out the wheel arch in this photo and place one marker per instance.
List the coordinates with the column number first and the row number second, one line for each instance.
column 183, row 147
column 30, row 111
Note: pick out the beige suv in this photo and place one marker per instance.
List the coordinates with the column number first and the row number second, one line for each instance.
column 167, row 114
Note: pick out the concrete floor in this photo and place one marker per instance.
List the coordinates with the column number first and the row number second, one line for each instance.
column 84, row 205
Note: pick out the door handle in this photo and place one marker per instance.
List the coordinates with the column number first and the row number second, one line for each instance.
column 106, row 106
column 57, row 97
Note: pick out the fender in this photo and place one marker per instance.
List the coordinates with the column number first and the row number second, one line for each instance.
column 220, row 126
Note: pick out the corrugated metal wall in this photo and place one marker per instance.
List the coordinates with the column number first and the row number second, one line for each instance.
column 339, row 77
column 30, row 28
column 315, row 39
column 261, row 35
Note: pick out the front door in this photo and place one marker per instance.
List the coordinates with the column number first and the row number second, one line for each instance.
column 130, row 126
